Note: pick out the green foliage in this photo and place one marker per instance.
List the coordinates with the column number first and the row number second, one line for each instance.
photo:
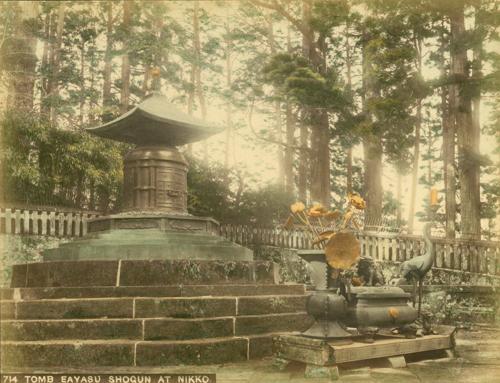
column 296, row 78
column 215, row 192
column 43, row 165
column 16, row 249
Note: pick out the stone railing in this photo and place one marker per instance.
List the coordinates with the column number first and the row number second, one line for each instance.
column 35, row 221
column 459, row 254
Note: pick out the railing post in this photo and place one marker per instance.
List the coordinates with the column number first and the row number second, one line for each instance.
column 8, row 221
column 78, row 219
column 17, row 224
column 44, row 222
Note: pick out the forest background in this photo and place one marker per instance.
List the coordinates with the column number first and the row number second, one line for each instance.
column 387, row 98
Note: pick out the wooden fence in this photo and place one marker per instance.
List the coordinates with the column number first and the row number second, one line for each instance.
column 58, row 223
column 458, row 254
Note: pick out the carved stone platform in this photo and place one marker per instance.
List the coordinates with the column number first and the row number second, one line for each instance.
column 163, row 222
column 322, row 357
column 150, row 236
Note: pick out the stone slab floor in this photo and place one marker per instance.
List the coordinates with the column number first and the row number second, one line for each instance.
column 477, row 361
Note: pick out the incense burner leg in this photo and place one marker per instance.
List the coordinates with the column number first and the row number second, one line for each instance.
column 314, row 371
column 397, row 361
column 280, row 364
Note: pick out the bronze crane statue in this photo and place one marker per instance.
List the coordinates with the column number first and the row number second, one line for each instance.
column 415, row 269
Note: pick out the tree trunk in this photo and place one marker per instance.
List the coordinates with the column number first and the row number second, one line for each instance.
column 229, row 112
column 349, row 87
column 91, row 114
column 288, row 156
column 45, row 65
column 399, row 187
column 22, row 83
column 416, row 149
column 190, row 104
column 415, row 168
column 106, row 87
column 56, row 61
column 348, row 166
column 449, row 163
column 198, row 82
column 278, row 135
column 125, row 91
column 320, row 133
column 82, row 86
column 447, row 101
column 303, row 163
column 320, row 159
column 466, row 137
column 277, row 113
column 372, row 150
column 289, row 133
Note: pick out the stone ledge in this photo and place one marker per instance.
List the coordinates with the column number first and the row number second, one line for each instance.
column 185, row 307
column 261, row 324
column 181, row 329
column 142, row 273
column 36, row 293
column 210, row 351
column 37, row 330
column 74, row 354
column 75, row 308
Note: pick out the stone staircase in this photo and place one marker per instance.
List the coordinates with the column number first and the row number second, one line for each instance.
column 139, row 319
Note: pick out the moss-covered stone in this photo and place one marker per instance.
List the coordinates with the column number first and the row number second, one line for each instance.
column 271, row 305
column 74, row 354
column 68, row 274
column 184, row 307
column 71, row 329
column 261, row 324
column 260, row 346
column 194, row 352
column 75, row 308
column 181, row 329
column 7, row 310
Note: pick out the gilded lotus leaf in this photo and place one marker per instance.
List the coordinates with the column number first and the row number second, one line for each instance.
column 342, row 250
column 357, row 201
column 297, row 207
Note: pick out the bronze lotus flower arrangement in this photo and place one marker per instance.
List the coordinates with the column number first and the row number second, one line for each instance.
column 331, row 230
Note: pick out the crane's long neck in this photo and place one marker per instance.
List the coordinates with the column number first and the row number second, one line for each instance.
column 430, row 254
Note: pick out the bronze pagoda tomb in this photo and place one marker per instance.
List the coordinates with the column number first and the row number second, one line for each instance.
column 154, row 222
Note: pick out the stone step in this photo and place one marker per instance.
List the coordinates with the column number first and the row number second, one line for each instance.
column 129, row 353
column 207, row 351
column 40, row 330
column 253, row 305
column 150, row 329
column 35, row 293
column 78, row 353
column 172, row 307
column 142, row 273
column 261, row 324
column 75, row 308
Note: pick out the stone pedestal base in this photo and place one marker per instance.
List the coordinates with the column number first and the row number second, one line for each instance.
column 140, row 236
